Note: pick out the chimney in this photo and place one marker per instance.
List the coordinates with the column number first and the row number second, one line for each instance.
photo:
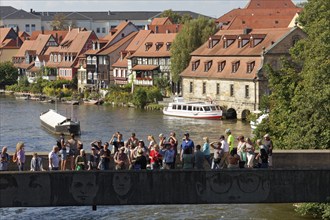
column 42, row 30
column 69, row 28
column 31, row 10
column 247, row 30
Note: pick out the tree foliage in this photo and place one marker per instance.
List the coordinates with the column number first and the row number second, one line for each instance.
column 300, row 99
column 59, row 22
column 8, row 74
column 175, row 17
column 194, row 33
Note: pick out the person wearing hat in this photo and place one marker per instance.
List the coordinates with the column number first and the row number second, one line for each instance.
column 188, row 144
column 105, row 157
column 140, row 161
column 269, row 146
column 230, row 139
column 94, row 159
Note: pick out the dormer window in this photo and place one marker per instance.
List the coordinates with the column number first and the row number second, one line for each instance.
column 207, row 65
column 221, row 65
column 159, row 45
column 55, row 58
column 214, row 40
column 235, row 66
column 168, row 46
column 59, row 58
column 51, row 58
column 242, row 41
column 227, row 42
column 148, row 45
column 250, row 66
column 195, row 65
column 256, row 39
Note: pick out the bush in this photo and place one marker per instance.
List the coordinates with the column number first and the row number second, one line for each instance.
column 317, row 210
column 140, row 97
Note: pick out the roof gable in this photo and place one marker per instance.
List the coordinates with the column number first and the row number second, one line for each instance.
column 6, row 10
column 21, row 14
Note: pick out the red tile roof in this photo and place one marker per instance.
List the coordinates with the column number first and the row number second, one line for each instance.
column 145, row 67
column 132, row 47
column 260, row 14
column 27, row 45
column 9, row 39
column 161, row 21
column 270, row 4
column 168, row 28
column 270, row 35
column 233, row 53
column 116, row 45
column 152, row 51
column 58, row 35
column 260, row 22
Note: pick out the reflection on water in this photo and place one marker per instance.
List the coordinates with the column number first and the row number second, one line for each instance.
column 19, row 120
column 216, row 211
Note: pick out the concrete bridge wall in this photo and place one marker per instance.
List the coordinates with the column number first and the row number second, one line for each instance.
column 71, row 188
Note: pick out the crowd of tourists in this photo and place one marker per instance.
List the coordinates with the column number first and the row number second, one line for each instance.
column 135, row 154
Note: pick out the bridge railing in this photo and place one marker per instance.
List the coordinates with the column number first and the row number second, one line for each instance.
column 74, row 188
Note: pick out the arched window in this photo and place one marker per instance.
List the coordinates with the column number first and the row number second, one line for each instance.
column 94, row 60
column 55, row 58
column 59, row 58
column 51, row 58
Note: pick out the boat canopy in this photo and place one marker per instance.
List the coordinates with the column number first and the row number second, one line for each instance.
column 52, row 118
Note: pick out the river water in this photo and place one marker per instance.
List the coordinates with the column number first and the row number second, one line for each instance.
column 19, row 121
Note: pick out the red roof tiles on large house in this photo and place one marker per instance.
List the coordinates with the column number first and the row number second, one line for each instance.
column 131, row 48
column 270, row 4
column 233, row 47
column 261, row 14
column 155, row 45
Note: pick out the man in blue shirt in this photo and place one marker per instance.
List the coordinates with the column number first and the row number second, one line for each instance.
column 187, row 143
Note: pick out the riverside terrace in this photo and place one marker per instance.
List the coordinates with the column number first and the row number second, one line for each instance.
column 305, row 177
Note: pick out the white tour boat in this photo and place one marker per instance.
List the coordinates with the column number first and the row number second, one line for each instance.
column 202, row 110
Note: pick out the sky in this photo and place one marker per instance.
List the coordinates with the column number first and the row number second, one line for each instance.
column 212, row 8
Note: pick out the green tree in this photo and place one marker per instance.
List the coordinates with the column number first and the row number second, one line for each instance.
column 300, row 99
column 194, row 33
column 175, row 17
column 140, row 97
column 8, row 74
column 59, row 22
